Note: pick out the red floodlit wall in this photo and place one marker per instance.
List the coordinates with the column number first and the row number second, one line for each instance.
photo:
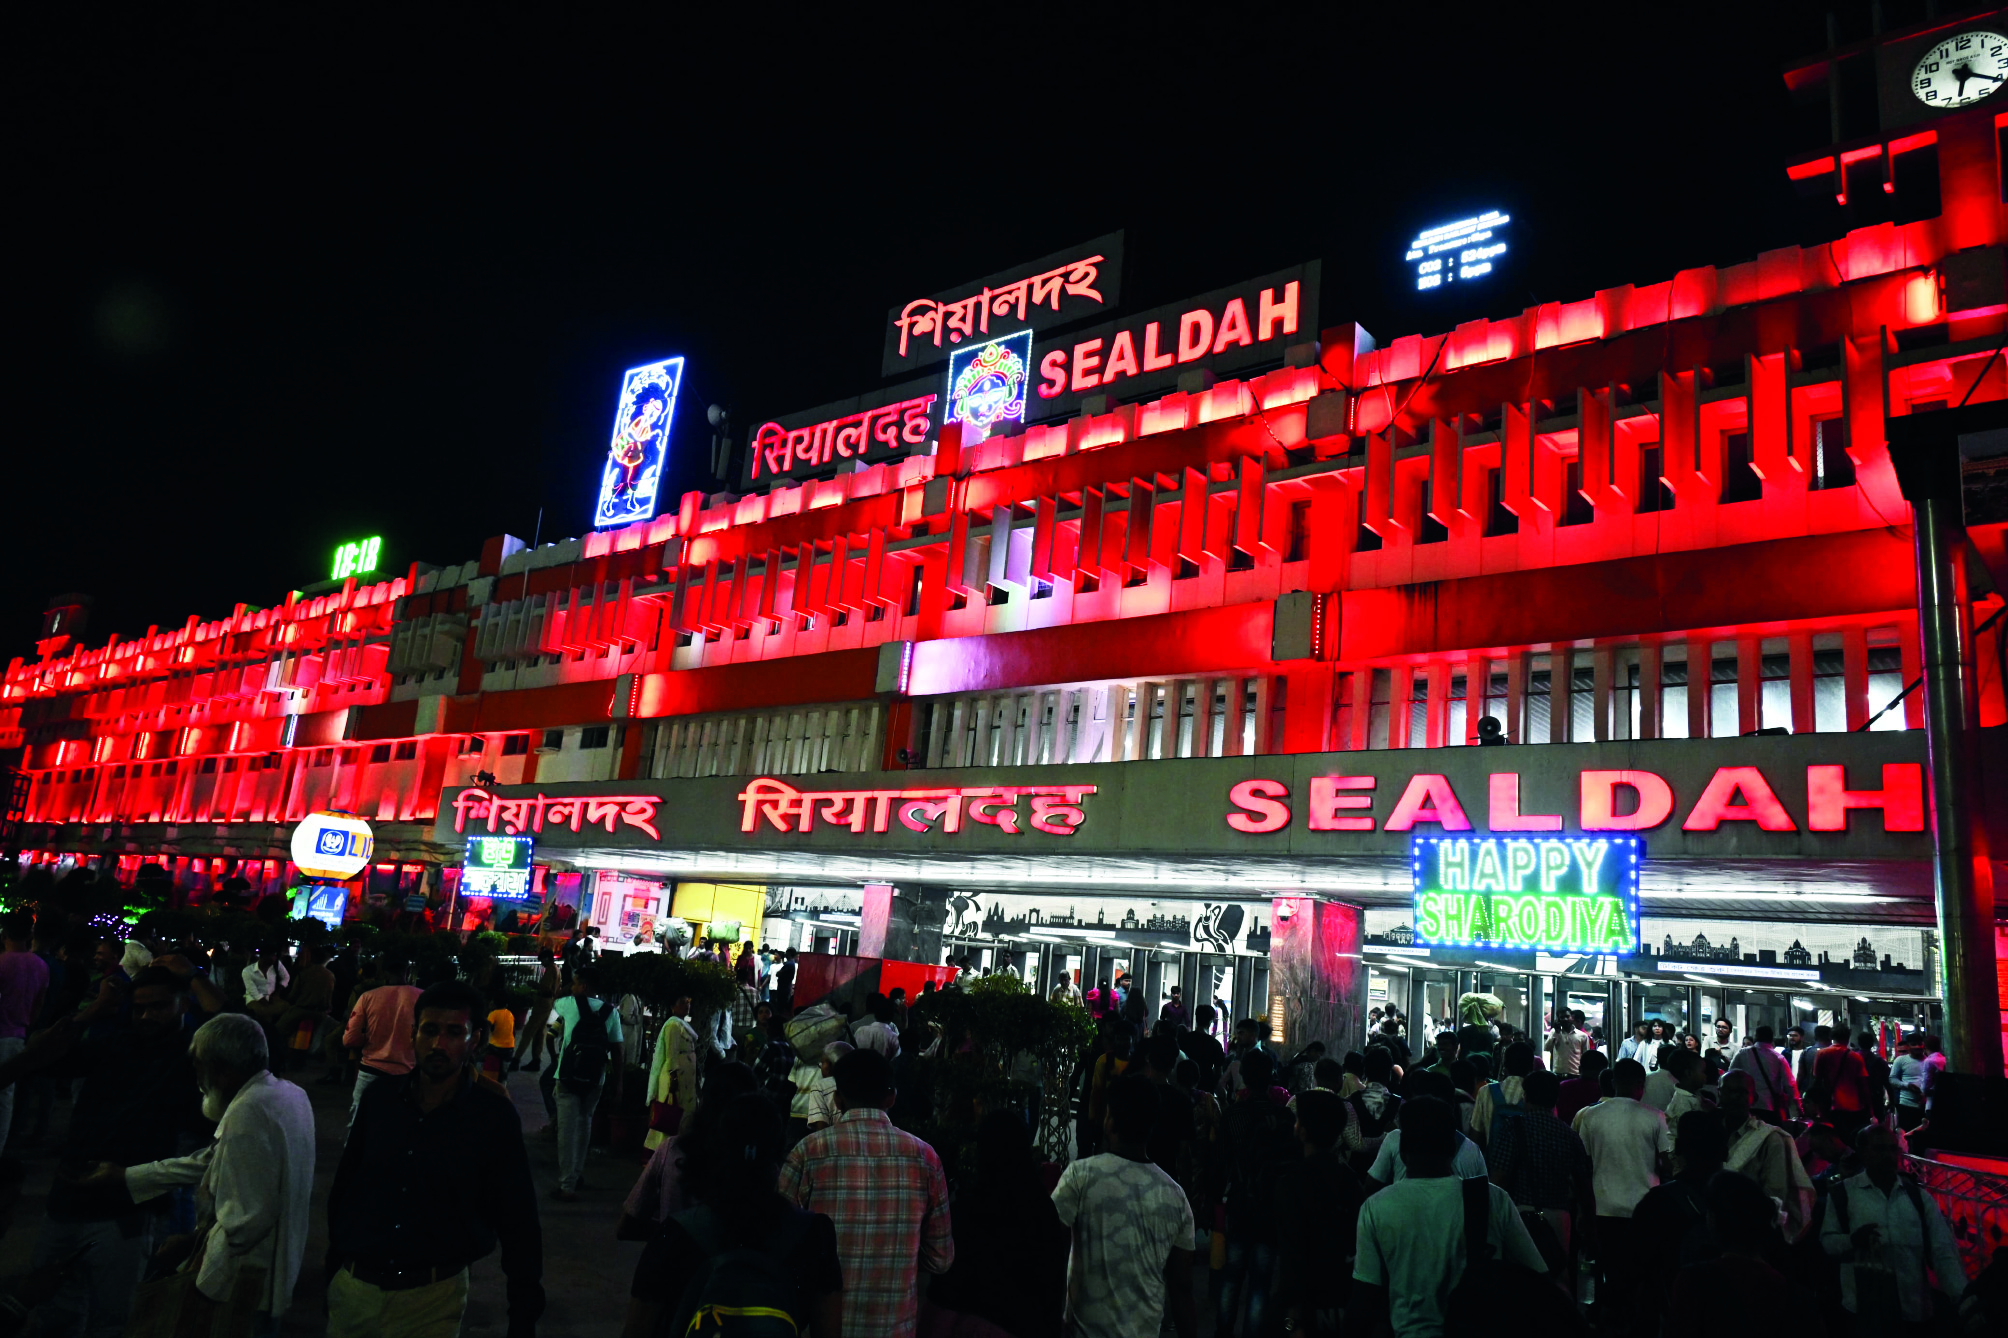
column 1564, row 477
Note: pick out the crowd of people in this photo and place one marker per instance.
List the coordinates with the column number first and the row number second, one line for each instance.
column 1478, row 1179
column 1485, row 1178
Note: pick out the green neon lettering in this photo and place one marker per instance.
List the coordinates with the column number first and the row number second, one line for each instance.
column 1484, row 924
column 1618, row 936
column 1527, row 918
column 1521, row 859
column 1554, row 920
column 1486, row 875
column 1429, row 915
column 1582, row 921
column 1554, row 863
column 1589, row 858
column 1453, row 865
column 1450, row 915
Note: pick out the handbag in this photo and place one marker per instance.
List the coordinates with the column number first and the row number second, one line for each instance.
column 172, row 1306
column 665, row 1117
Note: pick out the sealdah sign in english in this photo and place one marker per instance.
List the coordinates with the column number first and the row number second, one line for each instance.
column 1610, row 801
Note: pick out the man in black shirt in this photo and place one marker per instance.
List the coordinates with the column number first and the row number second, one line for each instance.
column 1173, row 1141
column 137, row 1102
column 1317, row 1209
column 784, row 985
column 434, row 1174
column 1202, row 1047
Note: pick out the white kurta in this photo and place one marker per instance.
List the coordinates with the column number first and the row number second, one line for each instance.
column 257, row 1179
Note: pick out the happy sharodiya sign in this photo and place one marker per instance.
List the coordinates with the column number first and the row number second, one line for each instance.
column 1525, row 894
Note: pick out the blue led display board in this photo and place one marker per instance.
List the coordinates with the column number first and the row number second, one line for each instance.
column 1459, row 252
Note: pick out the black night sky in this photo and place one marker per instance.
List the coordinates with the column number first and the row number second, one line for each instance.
column 279, row 283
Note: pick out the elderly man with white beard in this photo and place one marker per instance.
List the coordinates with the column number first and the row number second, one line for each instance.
column 256, row 1178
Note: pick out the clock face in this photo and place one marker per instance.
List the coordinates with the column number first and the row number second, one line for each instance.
column 1961, row 70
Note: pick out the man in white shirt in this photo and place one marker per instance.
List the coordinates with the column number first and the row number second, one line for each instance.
column 877, row 1032
column 1641, row 1036
column 1881, row 1220
column 263, row 978
column 1132, row 1228
column 1467, row 1162
column 1411, row 1235
column 1628, row 1143
column 1770, row 1077
column 1565, row 1047
column 823, row 1110
column 256, row 1179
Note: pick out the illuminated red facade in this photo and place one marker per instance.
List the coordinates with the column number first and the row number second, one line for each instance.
column 1659, row 511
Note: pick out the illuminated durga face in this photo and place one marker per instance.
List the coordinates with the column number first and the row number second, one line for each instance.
column 991, row 387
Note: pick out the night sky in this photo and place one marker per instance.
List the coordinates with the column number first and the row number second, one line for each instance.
column 277, row 286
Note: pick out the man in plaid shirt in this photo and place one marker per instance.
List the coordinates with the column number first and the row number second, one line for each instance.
column 884, row 1190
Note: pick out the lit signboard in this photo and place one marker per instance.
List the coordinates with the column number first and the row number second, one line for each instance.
column 1228, row 330
column 326, row 902
column 332, row 845
column 1062, row 289
column 1527, row 894
column 356, row 559
column 498, row 867
column 849, row 434
column 1459, row 252
column 986, row 384
column 631, row 474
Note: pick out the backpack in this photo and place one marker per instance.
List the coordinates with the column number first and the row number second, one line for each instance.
column 1369, row 1126
column 584, row 1063
column 1496, row 1297
column 739, row 1293
column 1501, row 1111
column 1371, row 1129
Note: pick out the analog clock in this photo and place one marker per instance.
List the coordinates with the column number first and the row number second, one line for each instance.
column 1961, row 70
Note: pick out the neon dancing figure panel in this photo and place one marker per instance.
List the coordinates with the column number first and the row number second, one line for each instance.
column 631, row 472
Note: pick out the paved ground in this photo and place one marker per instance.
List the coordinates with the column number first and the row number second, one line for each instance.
column 586, row 1271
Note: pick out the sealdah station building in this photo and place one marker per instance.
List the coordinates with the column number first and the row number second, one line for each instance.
column 1165, row 641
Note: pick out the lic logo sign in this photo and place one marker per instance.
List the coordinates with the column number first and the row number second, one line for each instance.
column 334, row 846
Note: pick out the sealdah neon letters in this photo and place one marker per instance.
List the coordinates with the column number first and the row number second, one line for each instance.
column 1607, row 801
column 1527, row 894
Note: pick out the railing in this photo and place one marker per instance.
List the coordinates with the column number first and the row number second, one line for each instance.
column 1975, row 1205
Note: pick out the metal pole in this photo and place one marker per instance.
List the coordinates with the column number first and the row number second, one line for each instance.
column 1962, row 880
